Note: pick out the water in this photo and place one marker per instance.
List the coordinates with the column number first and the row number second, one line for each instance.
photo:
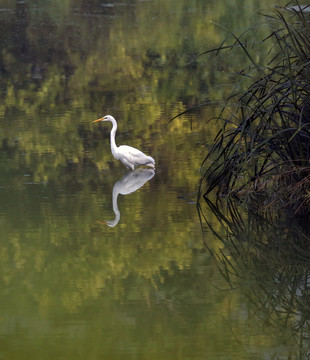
column 84, row 274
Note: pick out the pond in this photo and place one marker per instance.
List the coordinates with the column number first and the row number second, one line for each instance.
column 97, row 261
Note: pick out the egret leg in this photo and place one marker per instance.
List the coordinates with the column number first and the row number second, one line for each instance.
column 127, row 164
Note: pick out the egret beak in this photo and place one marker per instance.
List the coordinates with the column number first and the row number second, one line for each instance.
column 103, row 222
column 98, row 120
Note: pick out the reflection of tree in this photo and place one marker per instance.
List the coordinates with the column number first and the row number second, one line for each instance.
column 64, row 75
column 268, row 256
column 57, row 255
column 48, row 100
column 48, row 93
column 20, row 34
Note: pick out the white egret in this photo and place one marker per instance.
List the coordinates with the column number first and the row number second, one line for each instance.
column 128, row 155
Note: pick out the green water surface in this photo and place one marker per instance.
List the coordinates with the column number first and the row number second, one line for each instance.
column 72, row 287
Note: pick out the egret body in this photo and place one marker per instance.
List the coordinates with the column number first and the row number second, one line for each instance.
column 128, row 155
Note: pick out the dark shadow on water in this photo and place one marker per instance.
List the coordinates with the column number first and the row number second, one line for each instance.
column 267, row 258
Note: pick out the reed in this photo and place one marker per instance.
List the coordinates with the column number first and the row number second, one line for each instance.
column 267, row 261
column 258, row 167
column 262, row 152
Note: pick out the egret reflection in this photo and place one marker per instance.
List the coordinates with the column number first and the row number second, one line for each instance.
column 128, row 184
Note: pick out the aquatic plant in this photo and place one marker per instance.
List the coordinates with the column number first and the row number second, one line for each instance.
column 261, row 156
column 268, row 261
column 261, row 153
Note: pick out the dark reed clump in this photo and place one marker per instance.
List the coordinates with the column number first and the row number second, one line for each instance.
column 262, row 151
column 267, row 260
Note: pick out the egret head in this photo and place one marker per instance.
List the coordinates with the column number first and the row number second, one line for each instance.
column 105, row 118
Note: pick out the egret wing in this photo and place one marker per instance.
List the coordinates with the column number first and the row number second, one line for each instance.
column 134, row 156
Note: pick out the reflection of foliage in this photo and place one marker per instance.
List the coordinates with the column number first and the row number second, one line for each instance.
column 268, row 257
column 128, row 64
column 56, row 260
column 72, row 253
column 53, row 82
